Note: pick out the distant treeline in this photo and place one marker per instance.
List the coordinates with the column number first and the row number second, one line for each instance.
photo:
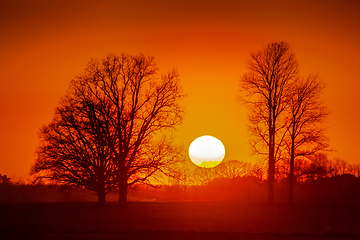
column 340, row 189
column 20, row 192
column 320, row 181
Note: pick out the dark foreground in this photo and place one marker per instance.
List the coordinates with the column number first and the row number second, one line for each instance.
column 178, row 221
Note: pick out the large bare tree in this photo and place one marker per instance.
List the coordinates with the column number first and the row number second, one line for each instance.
column 136, row 109
column 143, row 107
column 306, row 116
column 266, row 89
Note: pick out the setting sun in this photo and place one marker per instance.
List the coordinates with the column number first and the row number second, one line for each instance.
column 206, row 151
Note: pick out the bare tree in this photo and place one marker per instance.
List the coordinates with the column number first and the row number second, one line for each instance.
column 318, row 167
column 181, row 177
column 74, row 147
column 266, row 89
column 203, row 176
column 113, row 127
column 355, row 170
column 233, row 169
column 306, row 117
column 4, row 179
column 143, row 106
column 339, row 167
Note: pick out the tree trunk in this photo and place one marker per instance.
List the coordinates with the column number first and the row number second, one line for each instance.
column 271, row 170
column 291, row 174
column 123, row 186
column 101, row 187
column 291, row 182
column 271, row 177
column 101, row 198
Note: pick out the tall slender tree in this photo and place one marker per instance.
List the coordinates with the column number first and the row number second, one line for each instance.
column 266, row 89
column 306, row 115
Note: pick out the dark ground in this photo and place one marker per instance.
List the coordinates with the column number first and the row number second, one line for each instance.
column 178, row 221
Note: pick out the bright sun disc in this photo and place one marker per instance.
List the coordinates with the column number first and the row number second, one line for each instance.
column 206, row 151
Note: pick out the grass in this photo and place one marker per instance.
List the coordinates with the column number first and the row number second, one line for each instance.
column 185, row 220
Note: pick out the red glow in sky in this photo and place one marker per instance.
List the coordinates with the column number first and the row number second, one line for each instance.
column 44, row 44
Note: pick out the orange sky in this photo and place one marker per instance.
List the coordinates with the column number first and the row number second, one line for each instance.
column 44, row 44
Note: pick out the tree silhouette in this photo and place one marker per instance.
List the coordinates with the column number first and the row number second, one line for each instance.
column 182, row 177
column 4, row 179
column 339, row 167
column 124, row 112
column 318, row 167
column 74, row 148
column 202, row 176
column 233, row 169
column 306, row 116
column 142, row 106
column 266, row 89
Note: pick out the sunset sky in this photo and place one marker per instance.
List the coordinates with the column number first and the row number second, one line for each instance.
column 44, row 44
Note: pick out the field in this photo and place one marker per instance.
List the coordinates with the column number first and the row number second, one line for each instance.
column 145, row 220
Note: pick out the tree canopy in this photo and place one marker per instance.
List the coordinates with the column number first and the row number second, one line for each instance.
column 113, row 124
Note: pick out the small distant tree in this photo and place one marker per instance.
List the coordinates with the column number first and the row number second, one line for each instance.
column 317, row 168
column 259, row 169
column 356, row 170
column 182, row 177
column 233, row 169
column 339, row 166
column 203, row 176
column 266, row 90
column 4, row 179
